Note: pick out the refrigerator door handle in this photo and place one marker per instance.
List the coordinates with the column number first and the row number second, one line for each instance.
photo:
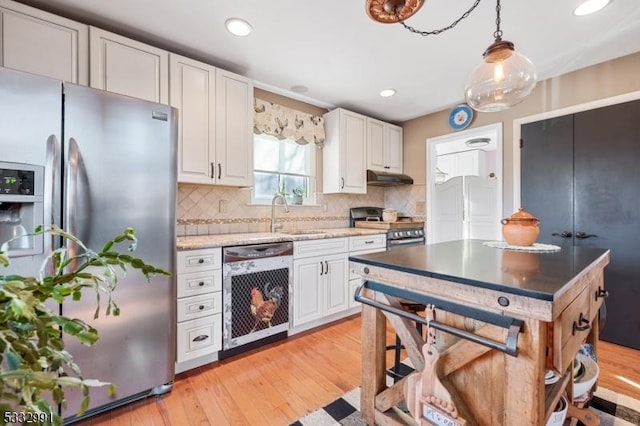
column 71, row 198
column 51, row 180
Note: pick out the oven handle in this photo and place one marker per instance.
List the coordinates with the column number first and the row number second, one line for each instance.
column 406, row 241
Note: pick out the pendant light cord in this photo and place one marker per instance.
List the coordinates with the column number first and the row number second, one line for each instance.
column 498, row 32
column 448, row 27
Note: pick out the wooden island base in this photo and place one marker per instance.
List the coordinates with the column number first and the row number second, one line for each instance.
column 488, row 385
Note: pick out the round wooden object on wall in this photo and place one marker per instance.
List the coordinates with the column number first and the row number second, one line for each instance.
column 392, row 11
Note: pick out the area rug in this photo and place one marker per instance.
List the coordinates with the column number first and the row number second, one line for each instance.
column 612, row 408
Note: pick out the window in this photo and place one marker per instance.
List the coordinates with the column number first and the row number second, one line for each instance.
column 282, row 166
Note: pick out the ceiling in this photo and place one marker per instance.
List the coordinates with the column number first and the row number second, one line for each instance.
column 345, row 58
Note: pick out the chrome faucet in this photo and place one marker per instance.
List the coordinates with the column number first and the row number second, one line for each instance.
column 275, row 226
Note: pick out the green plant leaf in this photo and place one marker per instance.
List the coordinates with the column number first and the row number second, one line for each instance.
column 13, row 360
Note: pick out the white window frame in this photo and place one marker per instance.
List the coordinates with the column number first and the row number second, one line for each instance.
column 309, row 197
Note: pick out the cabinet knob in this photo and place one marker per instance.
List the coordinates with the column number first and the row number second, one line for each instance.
column 201, row 260
column 201, row 307
column 201, row 284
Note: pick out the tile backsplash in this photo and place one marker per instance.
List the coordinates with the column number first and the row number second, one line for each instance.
column 205, row 209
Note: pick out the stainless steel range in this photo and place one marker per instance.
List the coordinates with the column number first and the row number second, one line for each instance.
column 401, row 233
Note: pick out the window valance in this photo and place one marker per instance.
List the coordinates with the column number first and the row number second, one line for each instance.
column 286, row 123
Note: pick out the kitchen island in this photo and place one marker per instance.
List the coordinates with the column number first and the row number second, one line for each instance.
column 509, row 316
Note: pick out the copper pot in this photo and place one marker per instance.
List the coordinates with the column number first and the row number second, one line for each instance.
column 521, row 228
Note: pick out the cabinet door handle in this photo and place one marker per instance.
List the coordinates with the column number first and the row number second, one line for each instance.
column 219, row 171
column 212, row 171
column 600, row 292
column 581, row 325
column 327, row 267
column 369, row 242
column 200, row 338
column 584, row 235
column 342, row 183
column 321, row 269
column 564, row 234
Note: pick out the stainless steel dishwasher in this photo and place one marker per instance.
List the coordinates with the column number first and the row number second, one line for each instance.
column 255, row 292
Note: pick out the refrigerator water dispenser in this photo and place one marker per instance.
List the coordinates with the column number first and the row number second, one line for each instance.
column 21, row 207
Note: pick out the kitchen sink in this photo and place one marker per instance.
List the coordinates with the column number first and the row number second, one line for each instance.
column 304, row 232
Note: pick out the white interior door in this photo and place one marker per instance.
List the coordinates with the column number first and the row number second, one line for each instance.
column 481, row 219
column 448, row 211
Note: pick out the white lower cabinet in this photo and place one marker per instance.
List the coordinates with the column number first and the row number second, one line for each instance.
column 199, row 307
column 320, row 281
column 323, row 284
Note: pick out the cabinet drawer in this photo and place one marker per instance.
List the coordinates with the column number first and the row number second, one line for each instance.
column 352, row 274
column 199, row 283
column 199, row 337
column 199, row 306
column 199, row 260
column 567, row 333
column 366, row 242
column 320, row 247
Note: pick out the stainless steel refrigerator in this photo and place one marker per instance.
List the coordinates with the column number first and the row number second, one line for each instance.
column 97, row 163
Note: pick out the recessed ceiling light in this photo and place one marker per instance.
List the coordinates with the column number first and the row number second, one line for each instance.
column 590, row 6
column 298, row 88
column 239, row 27
column 477, row 142
column 387, row 92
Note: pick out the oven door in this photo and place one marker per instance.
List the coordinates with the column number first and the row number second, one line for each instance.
column 405, row 242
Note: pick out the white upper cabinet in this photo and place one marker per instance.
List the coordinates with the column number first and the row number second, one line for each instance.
column 384, row 146
column 234, row 129
column 344, row 152
column 128, row 67
column 192, row 91
column 42, row 43
column 215, row 136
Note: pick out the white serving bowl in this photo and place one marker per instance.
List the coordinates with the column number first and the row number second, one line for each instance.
column 588, row 379
column 560, row 413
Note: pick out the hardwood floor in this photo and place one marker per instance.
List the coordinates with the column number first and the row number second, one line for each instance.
column 277, row 384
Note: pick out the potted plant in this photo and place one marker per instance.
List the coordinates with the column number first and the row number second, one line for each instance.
column 298, row 195
column 35, row 368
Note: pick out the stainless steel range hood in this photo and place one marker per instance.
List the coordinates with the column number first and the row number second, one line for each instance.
column 387, row 179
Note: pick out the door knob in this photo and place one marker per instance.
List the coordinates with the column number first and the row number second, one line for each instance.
column 584, row 235
column 564, row 234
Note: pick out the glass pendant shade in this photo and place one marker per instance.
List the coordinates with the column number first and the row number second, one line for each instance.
column 503, row 79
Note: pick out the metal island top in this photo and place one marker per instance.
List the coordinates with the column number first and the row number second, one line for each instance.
column 543, row 276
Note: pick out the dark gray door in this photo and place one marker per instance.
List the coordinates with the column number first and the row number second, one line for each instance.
column 580, row 175
column 547, row 177
column 607, row 208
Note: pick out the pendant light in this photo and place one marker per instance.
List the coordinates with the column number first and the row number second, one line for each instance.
column 503, row 79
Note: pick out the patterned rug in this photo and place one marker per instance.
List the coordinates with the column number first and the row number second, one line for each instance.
column 613, row 409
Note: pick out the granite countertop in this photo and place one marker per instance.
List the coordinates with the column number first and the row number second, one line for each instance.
column 223, row 240
column 537, row 275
